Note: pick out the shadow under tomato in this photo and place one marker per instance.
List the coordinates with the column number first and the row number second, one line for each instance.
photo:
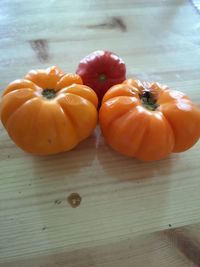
column 65, row 164
column 111, row 187
column 126, row 168
column 139, row 188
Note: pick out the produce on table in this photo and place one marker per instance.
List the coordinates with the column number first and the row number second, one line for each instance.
column 48, row 111
column 100, row 70
column 148, row 121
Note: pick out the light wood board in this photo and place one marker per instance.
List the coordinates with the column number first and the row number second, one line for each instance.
column 123, row 201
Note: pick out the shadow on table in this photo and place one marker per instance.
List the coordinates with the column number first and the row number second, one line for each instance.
column 120, row 195
column 67, row 163
column 126, row 168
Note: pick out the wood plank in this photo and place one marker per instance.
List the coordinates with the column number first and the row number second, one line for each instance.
column 146, row 250
column 121, row 198
column 187, row 241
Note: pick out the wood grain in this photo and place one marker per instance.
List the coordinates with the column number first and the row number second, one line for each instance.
column 149, row 250
column 123, row 201
column 113, row 23
column 187, row 241
column 41, row 49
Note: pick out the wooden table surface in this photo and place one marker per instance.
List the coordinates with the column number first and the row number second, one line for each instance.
column 131, row 213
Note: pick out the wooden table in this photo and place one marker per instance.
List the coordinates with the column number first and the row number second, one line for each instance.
column 131, row 213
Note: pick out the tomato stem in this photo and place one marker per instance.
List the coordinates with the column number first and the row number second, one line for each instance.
column 148, row 100
column 49, row 93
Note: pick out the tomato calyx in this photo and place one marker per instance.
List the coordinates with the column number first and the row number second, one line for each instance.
column 102, row 77
column 49, row 93
column 148, row 100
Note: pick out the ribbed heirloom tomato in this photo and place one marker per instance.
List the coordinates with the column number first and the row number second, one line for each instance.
column 148, row 121
column 48, row 111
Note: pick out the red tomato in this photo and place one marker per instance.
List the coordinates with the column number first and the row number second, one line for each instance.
column 100, row 70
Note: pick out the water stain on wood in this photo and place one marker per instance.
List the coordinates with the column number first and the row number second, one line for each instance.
column 40, row 47
column 112, row 23
column 74, row 200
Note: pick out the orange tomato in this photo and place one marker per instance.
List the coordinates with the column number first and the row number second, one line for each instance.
column 48, row 111
column 148, row 121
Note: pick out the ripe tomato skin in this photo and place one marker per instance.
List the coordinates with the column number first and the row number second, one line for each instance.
column 148, row 121
column 101, row 70
column 48, row 112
